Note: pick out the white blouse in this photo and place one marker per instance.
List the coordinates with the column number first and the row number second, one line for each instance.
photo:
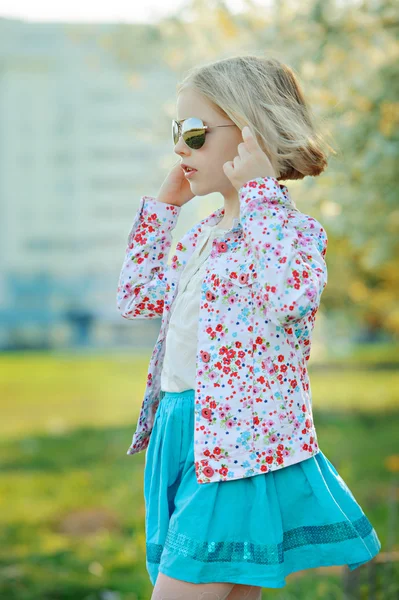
column 178, row 370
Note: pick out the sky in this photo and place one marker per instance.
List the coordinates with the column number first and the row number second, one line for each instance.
column 145, row 11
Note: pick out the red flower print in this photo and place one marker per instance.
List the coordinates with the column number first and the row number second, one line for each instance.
column 206, row 413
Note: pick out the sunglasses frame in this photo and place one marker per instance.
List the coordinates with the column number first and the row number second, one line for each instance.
column 181, row 131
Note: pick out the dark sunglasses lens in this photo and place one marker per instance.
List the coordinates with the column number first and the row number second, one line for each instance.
column 193, row 133
column 194, row 138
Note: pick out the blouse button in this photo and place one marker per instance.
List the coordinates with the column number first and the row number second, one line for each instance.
column 206, row 357
column 222, row 247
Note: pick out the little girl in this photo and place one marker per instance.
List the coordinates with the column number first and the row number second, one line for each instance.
column 238, row 494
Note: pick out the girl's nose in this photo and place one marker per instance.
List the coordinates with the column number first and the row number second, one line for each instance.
column 181, row 146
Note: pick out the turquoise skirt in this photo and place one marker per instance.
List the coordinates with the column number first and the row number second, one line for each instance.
column 253, row 531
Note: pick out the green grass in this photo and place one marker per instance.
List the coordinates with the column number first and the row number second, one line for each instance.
column 370, row 354
column 71, row 500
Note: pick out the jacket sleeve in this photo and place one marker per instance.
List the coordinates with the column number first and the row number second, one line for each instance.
column 141, row 285
column 288, row 249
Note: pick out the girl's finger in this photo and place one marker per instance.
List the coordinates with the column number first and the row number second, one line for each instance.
column 243, row 150
column 250, row 140
column 228, row 167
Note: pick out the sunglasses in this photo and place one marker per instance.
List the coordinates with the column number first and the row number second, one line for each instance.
column 193, row 131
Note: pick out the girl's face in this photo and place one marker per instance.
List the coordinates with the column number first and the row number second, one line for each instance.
column 220, row 145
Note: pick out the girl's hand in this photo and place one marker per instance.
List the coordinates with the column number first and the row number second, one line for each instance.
column 251, row 163
column 176, row 188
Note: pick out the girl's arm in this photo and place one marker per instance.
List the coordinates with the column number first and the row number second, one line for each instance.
column 141, row 286
column 288, row 248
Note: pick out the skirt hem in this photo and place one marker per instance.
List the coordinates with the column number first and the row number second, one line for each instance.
column 236, row 578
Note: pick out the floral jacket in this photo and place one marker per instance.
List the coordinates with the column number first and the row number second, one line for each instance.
column 259, row 299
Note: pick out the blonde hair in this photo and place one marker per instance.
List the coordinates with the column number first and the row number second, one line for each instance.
column 265, row 94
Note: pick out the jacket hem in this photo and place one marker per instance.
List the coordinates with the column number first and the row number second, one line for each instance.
column 210, row 473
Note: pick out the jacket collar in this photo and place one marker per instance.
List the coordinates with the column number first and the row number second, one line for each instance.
column 215, row 217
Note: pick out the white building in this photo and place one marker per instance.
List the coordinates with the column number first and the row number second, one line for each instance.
column 82, row 138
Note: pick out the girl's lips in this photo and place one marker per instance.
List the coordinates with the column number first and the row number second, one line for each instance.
column 189, row 174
